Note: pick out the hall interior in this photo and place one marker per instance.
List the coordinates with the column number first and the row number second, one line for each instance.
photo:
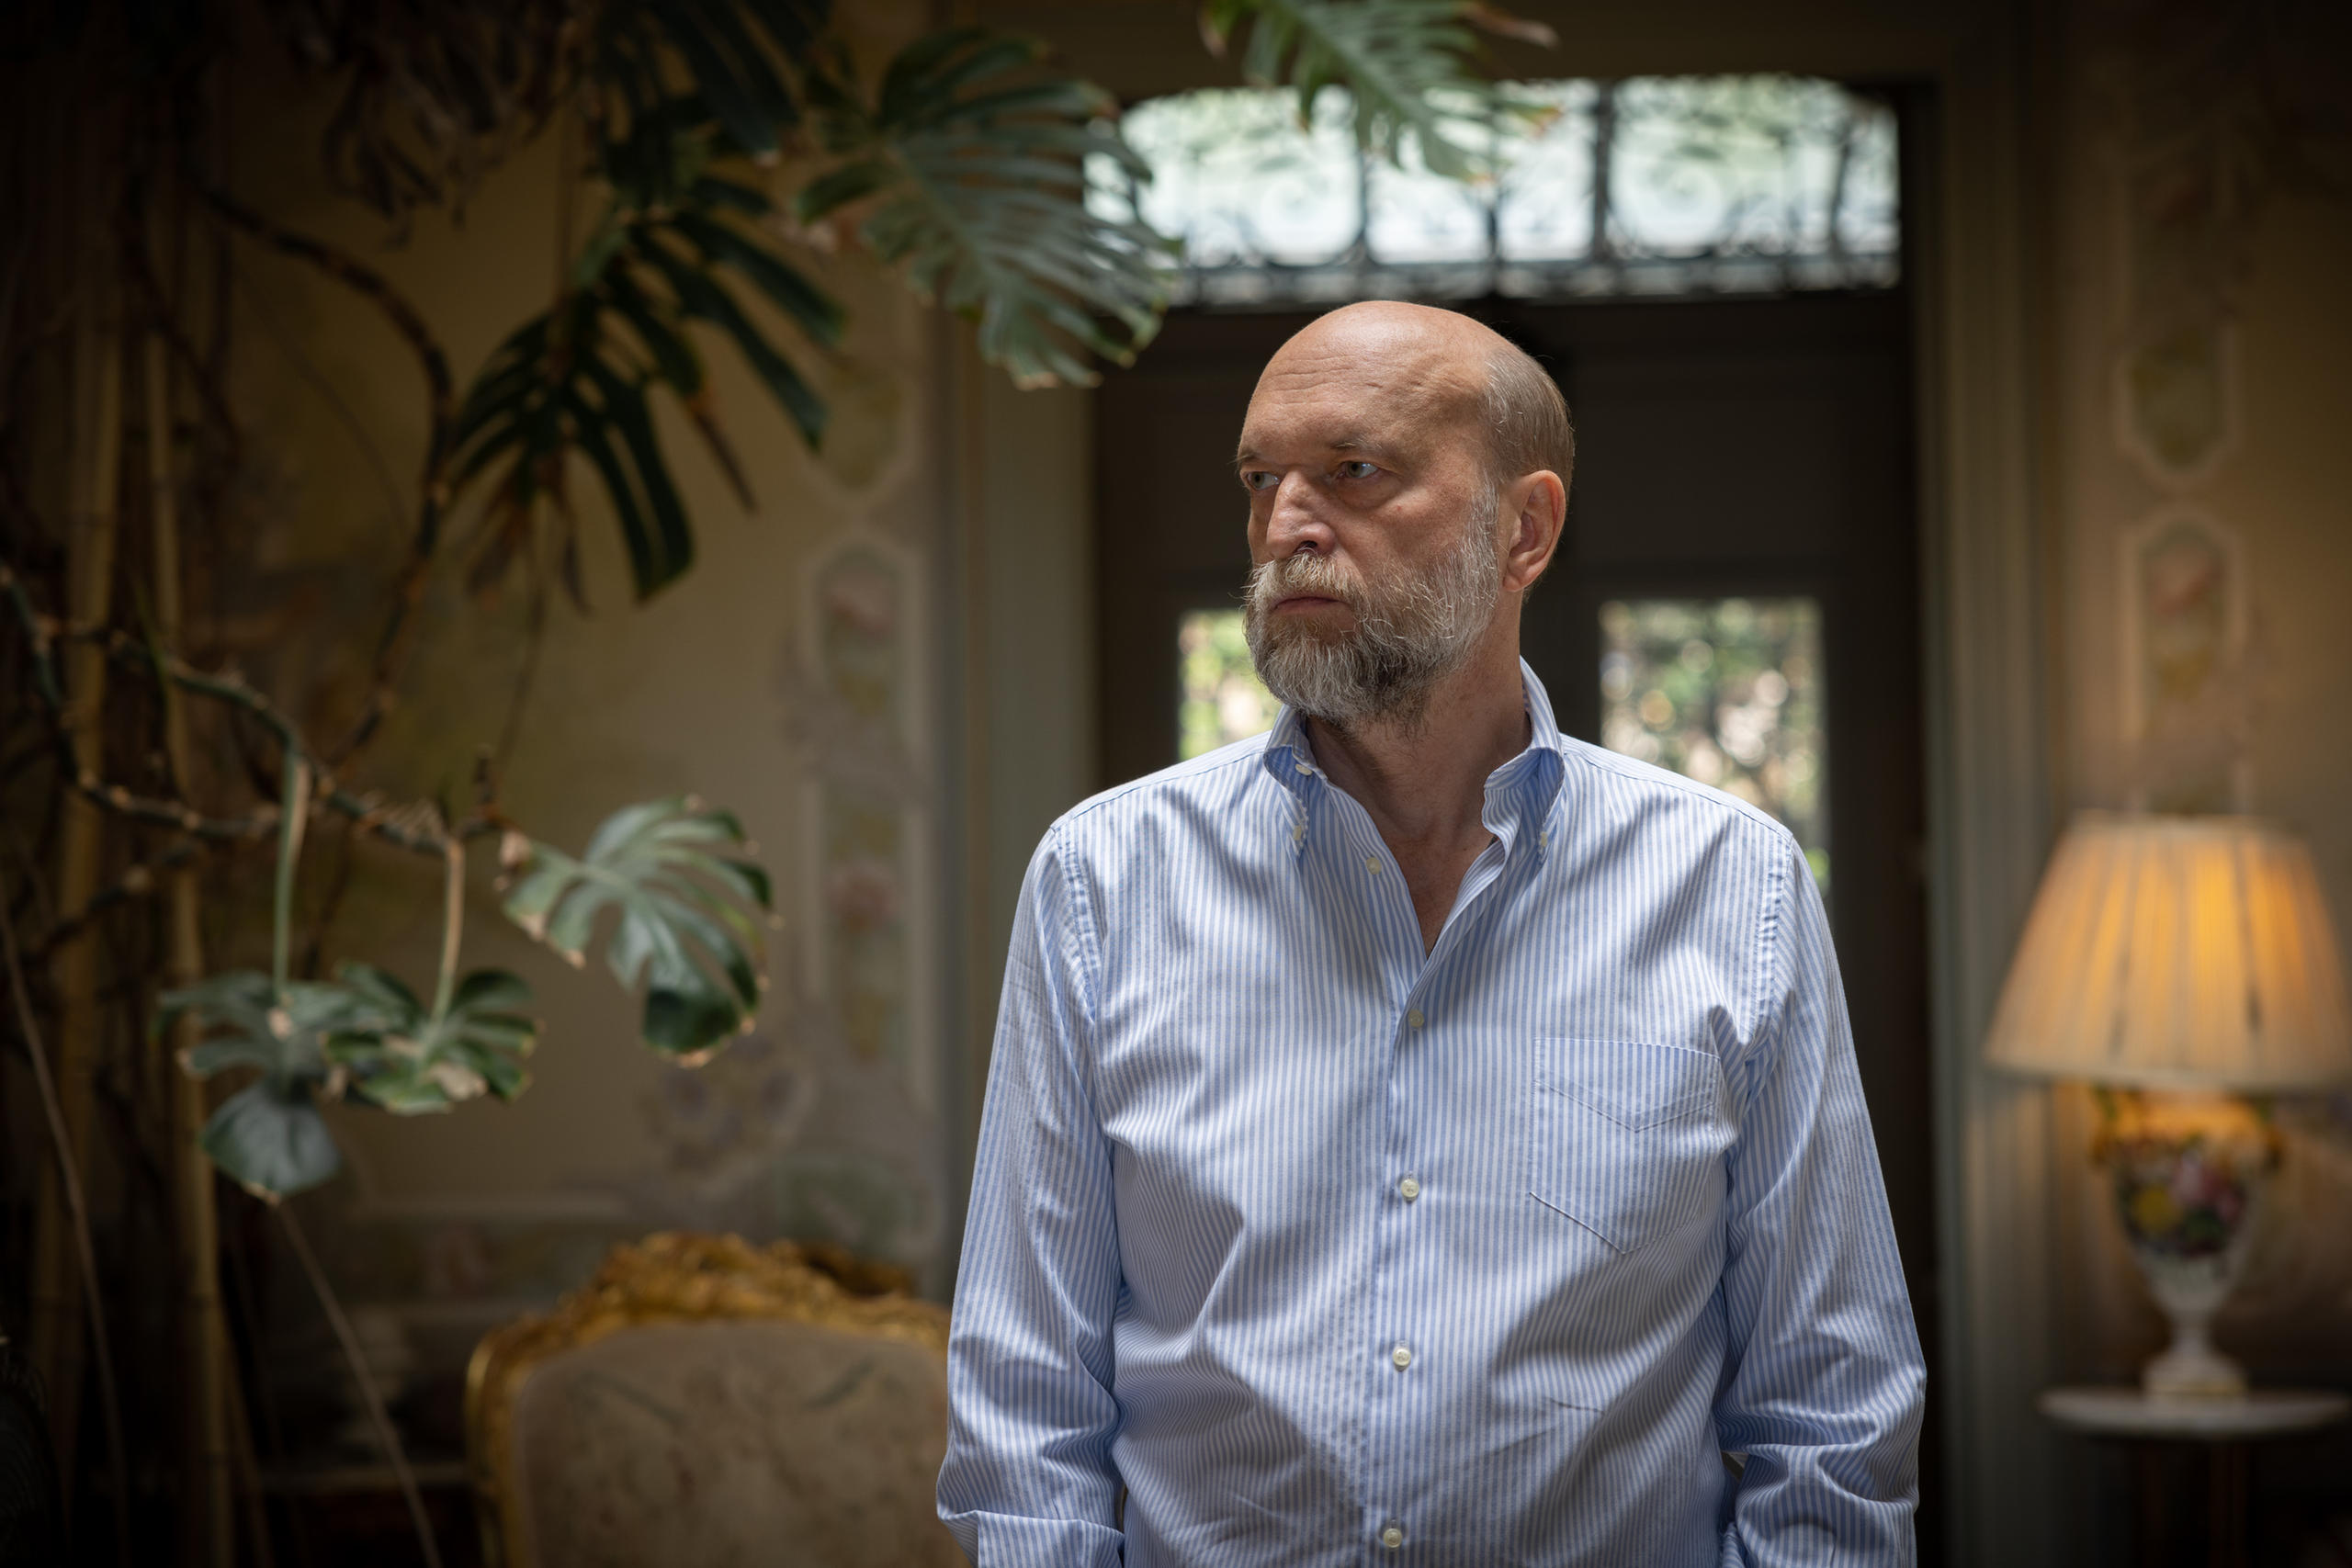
column 1959, row 390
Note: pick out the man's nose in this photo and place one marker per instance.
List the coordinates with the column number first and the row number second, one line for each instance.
column 1295, row 518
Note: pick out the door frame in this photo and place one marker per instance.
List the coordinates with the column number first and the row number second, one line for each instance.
column 1985, row 600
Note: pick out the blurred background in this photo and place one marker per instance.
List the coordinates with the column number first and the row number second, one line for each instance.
column 603, row 535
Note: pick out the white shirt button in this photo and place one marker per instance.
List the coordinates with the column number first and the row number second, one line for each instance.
column 1415, row 1017
column 1402, row 1356
column 1303, row 766
column 1371, row 865
column 1409, row 1188
column 1297, row 831
column 1392, row 1536
column 1544, row 841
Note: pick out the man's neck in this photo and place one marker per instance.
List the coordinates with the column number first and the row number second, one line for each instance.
column 1424, row 781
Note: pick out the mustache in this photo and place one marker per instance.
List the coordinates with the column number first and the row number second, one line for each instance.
column 1305, row 572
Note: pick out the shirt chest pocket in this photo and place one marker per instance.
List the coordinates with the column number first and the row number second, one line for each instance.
column 1626, row 1138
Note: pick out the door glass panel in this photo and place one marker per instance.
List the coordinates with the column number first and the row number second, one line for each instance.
column 1223, row 700
column 1727, row 692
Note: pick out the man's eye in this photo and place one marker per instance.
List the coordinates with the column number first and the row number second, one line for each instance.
column 1259, row 479
column 1358, row 470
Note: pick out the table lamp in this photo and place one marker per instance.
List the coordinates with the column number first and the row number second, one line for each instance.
column 2186, row 969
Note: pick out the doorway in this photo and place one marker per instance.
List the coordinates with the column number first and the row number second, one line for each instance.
column 1743, row 515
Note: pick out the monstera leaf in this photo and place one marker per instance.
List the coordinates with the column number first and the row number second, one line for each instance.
column 969, row 167
column 666, row 869
column 406, row 1058
column 1399, row 60
column 269, row 1135
column 578, row 378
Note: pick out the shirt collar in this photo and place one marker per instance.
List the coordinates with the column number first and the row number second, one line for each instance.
column 1521, row 793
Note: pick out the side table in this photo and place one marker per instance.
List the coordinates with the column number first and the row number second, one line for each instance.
column 2227, row 1428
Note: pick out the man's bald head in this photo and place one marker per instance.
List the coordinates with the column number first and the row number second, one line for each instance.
column 1453, row 365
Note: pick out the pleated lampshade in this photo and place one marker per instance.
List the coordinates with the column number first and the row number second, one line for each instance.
column 2177, row 952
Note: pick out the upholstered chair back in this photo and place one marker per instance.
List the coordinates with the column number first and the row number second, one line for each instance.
column 704, row 1403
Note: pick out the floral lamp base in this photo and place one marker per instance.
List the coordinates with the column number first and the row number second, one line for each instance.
column 2188, row 1173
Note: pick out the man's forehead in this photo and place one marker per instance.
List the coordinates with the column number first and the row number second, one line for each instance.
column 1341, row 401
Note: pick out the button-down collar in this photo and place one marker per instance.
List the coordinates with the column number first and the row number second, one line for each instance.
column 1521, row 793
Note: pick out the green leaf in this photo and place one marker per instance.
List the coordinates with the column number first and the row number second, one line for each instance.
column 975, row 161
column 852, row 182
column 588, row 431
column 700, row 296
column 1398, row 60
column 733, row 87
column 247, row 1023
column 624, row 408
column 271, row 1140
column 809, row 307
column 684, row 925
column 408, row 1061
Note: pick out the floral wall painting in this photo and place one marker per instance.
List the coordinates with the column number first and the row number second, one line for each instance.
column 863, row 437
column 868, row 819
column 2176, row 403
column 860, row 1199
column 798, row 1132
column 719, row 1124
column 2188, row 680
column 868, row 967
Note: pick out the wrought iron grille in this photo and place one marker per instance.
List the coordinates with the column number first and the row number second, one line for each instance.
column 1647, row 186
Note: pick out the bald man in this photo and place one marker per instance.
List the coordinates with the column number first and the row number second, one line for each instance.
column 1415, row 1137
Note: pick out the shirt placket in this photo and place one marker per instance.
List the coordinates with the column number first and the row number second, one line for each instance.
column 1403, row 1354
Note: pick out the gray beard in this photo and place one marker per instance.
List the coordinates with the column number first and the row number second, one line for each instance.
column 1407, row 637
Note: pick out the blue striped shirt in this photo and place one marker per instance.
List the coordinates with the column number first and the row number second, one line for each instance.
column 1328, row 1250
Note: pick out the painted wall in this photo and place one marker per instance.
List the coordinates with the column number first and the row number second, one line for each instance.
column 2204, row 362
column 794, row 675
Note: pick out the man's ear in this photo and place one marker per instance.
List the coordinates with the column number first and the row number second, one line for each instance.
column 1538, row 505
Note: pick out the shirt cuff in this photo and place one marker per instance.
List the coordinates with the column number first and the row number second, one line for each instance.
column 1012, row 1540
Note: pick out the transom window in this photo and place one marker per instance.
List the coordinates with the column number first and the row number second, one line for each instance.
column 1648, row 185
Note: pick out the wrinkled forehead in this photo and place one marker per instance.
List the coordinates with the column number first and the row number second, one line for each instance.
column 1350, row 389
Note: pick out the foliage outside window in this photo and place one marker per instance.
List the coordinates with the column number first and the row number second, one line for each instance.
column 1655, row 185
column 1727, row 692
column 1223, row 699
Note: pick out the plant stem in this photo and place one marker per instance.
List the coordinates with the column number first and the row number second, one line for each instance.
column 94, row 488
column 453, row 921
column 385, row 1432
column 207, row 1525
column 412, row 825
column 441, row 406
column 69, row 1177
column 293, row 809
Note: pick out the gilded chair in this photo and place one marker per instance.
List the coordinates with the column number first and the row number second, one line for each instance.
column 703, row 1402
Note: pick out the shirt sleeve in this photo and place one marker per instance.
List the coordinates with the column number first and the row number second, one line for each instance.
column 1028, row 1482
column 1823, row 1387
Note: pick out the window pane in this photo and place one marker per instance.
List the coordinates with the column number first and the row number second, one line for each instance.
column 1727, row 692
column 1714, row 184
column 1239, row 182
column 1223, row 699
column 1787, row 171
column 1417, row 216
column 1544, row 176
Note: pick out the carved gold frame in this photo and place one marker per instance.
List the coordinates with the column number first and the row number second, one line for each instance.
column 671, row 1277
